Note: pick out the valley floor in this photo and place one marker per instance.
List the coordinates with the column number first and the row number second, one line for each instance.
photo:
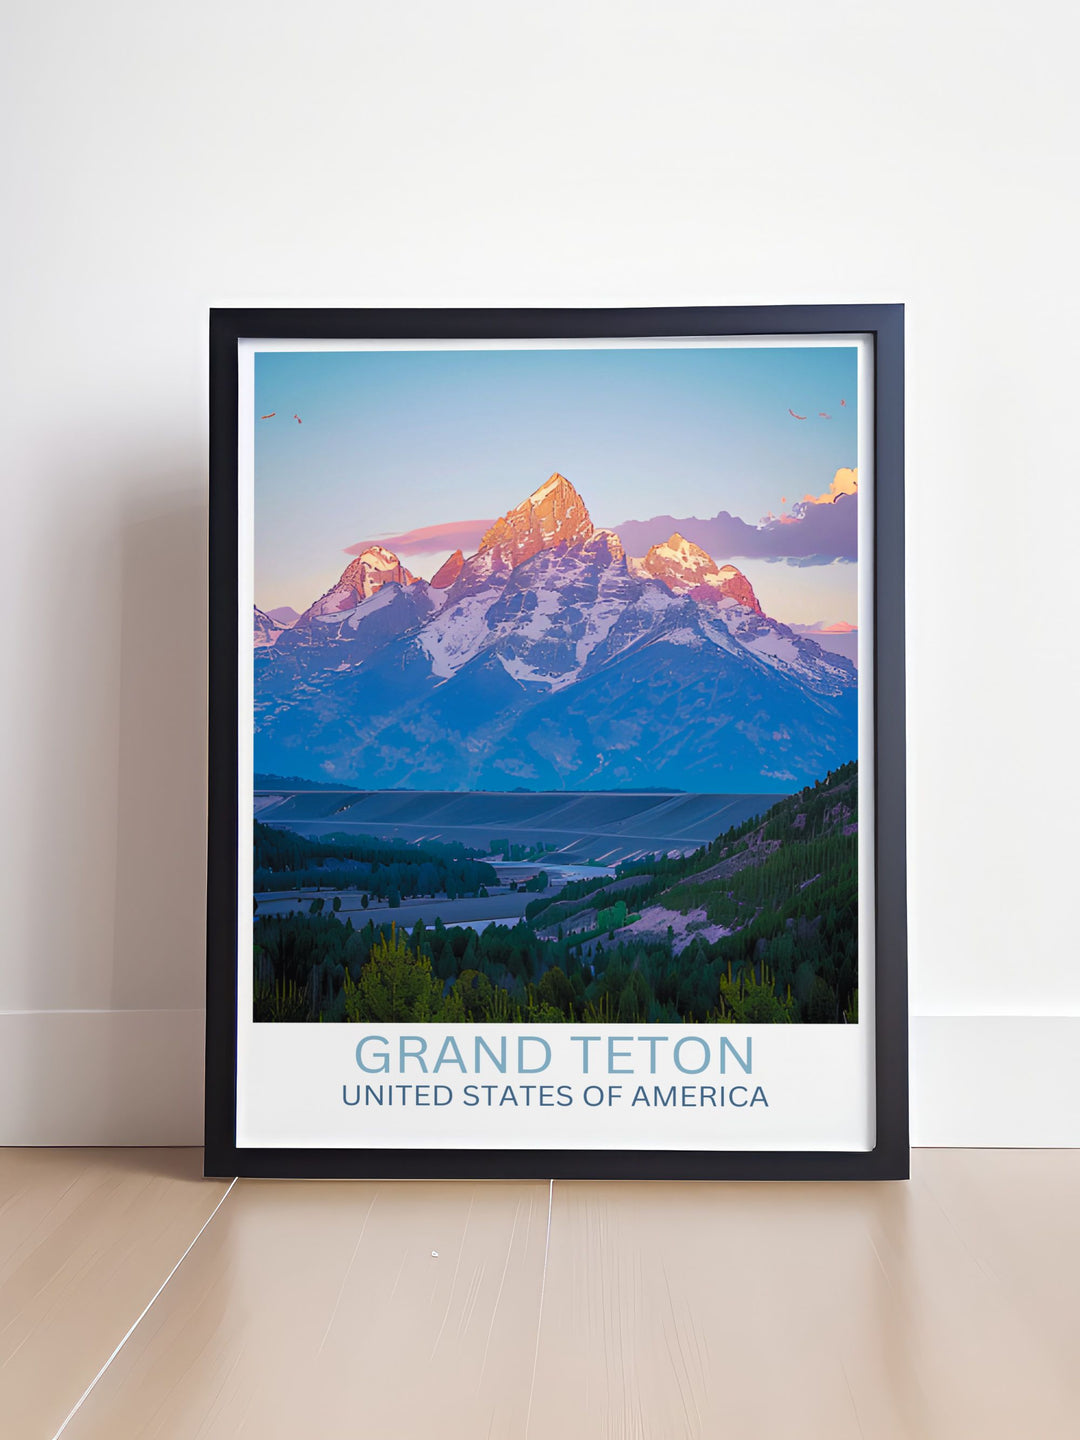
column 501, row 904
column 757, row 925
column 605, row 827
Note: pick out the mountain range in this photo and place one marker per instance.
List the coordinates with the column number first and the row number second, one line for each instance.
column 549, row 659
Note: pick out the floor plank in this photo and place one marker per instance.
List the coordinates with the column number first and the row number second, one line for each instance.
column 898, row 1312
column 938, row 1310
column 86, row 1238
column 340, row 1310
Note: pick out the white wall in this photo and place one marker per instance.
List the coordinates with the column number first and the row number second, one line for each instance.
column 164, row 158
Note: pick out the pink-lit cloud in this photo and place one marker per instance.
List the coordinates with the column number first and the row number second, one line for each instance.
column 429, row 539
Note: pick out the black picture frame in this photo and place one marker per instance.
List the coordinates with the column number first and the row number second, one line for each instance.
column 889, row 1159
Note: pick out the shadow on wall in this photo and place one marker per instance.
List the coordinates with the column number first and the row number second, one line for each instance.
column 104, row 974
column 161, row 801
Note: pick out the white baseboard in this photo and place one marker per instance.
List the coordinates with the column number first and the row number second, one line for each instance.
column 134, row 1077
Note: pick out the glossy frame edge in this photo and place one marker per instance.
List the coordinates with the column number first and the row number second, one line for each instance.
column 890, row 1158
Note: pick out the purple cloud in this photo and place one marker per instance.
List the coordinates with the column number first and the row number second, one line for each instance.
column 814, row 534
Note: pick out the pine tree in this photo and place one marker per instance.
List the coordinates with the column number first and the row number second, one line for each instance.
column 396, row 984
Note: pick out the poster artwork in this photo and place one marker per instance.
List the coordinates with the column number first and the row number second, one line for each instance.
column 554, row 738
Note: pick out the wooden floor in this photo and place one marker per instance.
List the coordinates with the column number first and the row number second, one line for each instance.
column 137, row 1299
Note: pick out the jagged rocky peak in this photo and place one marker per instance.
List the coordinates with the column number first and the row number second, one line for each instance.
column 373, row 568
column 687, row 569
column 604, row 546
column 448, row 571
column 553, row 514
column 734, row 584
column 679, row 561
column 538, row 661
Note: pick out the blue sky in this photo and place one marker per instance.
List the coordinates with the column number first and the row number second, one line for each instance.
column 395, row 440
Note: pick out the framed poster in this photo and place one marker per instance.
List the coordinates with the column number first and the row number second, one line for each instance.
column 557, row 743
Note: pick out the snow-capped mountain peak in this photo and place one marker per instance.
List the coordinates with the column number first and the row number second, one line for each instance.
column 686, row 569
column 679, row 554
column 373, row 568
column 549, row 659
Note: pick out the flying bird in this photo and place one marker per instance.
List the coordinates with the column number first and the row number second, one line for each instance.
column 297, row 419
column 268, row 417
column 794, row 416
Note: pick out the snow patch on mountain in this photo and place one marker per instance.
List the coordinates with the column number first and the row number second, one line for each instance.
column 771, row 645
column 599, row 621
column 549, row 603
column 520, row 670
column 385, row 595
column 457, row 633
